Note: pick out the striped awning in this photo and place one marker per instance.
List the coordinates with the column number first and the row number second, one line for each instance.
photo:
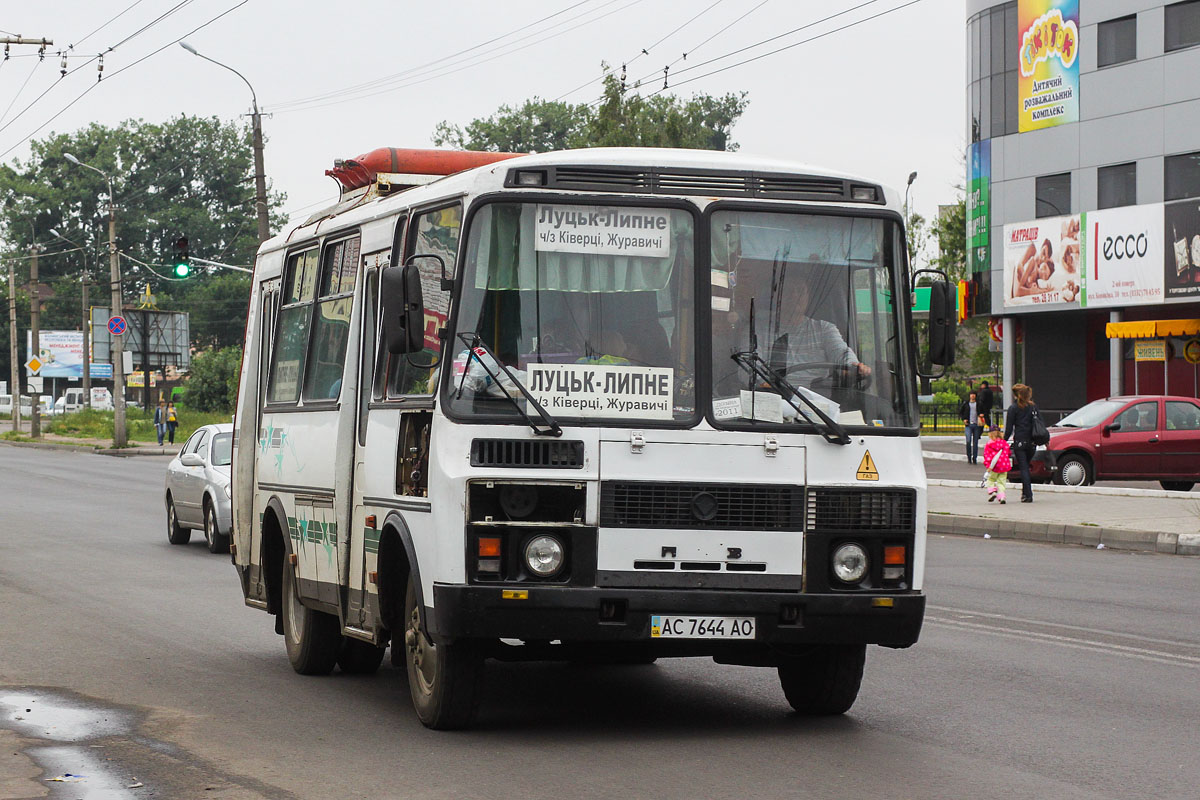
column 1152, row 328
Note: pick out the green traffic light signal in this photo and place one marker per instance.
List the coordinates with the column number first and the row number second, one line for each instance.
column 183, row 262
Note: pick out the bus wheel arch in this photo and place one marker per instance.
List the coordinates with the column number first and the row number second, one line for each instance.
column 397, row 561
column 275, row 548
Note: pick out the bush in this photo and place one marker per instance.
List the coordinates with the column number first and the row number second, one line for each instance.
column 213, row 380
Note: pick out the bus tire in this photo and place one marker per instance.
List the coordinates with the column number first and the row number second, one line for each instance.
column 444, row 680
column 176, row 534
column 217, row 541
column 826, row 681
column 359, row 658
column 313, row 638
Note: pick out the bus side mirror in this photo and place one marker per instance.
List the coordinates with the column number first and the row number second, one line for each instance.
column 403, row 309
column 943, row 323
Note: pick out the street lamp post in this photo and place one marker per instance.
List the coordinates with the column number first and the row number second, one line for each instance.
column 260, row 175
column 86, row 322
column 117, row 348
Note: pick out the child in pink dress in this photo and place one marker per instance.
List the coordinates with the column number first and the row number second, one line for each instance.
column 999, row 461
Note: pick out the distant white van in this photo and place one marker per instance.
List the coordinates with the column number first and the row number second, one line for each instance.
column 6, row 405
column 70, row 402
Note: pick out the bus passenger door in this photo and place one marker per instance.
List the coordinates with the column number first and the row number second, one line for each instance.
column 357, row 583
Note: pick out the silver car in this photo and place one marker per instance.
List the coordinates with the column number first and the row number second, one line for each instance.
column 198, row 490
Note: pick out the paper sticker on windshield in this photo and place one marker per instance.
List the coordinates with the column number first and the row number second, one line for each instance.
column 603, row 390
column 600, row 230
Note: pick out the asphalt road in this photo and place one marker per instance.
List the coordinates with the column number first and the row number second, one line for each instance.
column 1043, row 672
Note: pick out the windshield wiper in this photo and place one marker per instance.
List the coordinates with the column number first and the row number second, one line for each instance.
column 753, row 363
column 549, row 426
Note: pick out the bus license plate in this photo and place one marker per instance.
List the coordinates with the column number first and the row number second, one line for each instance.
column 670, row 626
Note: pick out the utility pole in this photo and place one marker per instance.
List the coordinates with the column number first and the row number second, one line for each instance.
column 118, row 346
column 87, row 339
column 15, row 383
column 35, row 322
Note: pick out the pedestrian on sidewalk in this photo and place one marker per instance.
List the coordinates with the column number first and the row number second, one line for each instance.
column 987, row 401
column 968, row 412
column 160, row 420
column 172, row 422
column 1018, row 426
column 996, row 456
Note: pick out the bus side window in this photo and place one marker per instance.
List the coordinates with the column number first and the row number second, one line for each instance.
column 383, row 360
column 291, row 344
column 432, row 233
column 331, row 322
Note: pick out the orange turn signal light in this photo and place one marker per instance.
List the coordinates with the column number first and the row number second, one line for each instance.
column 894, row 554
column 489, row 547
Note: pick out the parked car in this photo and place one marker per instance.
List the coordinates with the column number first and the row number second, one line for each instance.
column 26, row 405
column 198, row 493
column 1140, row 437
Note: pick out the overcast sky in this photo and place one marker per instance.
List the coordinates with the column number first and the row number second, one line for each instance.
column 879, row 98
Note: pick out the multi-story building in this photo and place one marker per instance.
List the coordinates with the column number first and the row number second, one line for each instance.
column 1084, row 192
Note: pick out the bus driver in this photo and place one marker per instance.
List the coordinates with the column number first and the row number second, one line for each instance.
column 803, row 340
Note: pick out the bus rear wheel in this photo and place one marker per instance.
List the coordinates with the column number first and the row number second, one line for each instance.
column 313, row 638
column 443, row 679
column 826, row 680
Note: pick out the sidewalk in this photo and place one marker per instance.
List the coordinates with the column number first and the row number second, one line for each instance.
column 1148, row 519
column 50, row 441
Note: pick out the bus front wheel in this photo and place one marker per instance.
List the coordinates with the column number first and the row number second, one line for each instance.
column 444, row 679
column 825, row 681
column 313, row 638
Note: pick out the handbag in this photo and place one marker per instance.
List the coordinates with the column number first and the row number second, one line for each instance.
column 1040, row 434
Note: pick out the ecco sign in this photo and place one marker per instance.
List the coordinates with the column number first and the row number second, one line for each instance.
column 1123, row 256
column 1130, row 246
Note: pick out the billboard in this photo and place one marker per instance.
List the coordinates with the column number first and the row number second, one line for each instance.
column 1123, row 256
column 61, row 353
column 1181, row 263
column 1042, row 263
column 1047, row 63
column 979, row 206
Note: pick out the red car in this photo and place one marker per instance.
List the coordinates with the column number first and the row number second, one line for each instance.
column 1140, row 437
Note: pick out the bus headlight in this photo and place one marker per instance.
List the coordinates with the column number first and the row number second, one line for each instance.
column 850, row 563
column 544, row 555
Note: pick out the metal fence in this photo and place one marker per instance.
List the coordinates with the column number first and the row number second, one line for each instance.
column 943, row 417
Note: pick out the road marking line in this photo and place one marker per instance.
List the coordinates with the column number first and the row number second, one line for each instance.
column 1027, row 621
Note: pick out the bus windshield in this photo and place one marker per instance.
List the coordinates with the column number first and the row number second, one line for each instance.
column 808, row 297
column 590, row 307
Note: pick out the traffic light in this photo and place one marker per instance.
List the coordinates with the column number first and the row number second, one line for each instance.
column 182, row 261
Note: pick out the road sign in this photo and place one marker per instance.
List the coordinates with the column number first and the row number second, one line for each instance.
column 33, row 365
column 116, row 325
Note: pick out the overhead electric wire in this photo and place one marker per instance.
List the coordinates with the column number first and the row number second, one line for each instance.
column 768, row 40
column 82, row 94
column 110, row 21
column 644, row 51
column 36, row 64
column 883, row 13
column 377, row 81
column 445, row 73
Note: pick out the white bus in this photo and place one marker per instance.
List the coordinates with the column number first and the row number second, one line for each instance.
column 609, row 404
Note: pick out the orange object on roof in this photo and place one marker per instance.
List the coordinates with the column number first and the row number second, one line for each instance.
column 360, row 171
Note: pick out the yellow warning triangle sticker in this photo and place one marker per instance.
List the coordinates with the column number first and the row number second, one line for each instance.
column 866, row 468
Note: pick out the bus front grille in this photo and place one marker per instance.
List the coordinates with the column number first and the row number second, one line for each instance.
column 849, row 510
column 701, row 506
column 527, row 453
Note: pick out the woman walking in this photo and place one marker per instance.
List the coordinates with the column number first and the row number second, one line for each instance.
column 172, row 422
column 1018, row 426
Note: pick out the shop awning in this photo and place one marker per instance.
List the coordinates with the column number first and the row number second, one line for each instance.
column 1152, row 328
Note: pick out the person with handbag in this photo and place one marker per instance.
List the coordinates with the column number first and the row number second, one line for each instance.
column 1023, row 424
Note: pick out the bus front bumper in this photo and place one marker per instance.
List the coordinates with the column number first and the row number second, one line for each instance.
column 573, row 614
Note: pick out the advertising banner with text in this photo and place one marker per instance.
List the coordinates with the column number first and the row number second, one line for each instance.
column 1181, row 264
column 1123, row 256
column 1047, row 63
column 1042, row 263
column 979, row 205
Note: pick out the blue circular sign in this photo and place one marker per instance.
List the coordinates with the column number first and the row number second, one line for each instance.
column 116, row 325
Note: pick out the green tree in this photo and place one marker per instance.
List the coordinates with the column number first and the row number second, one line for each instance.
column 189, row 176
column 623, row 118
column 950, row 230
column 213, row 379
column 216, row 305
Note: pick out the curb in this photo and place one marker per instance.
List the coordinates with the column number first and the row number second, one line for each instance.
column 1116, row 491
column 96, row 449
column 74, row 448
column 125, row 452
column 1182, row 544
